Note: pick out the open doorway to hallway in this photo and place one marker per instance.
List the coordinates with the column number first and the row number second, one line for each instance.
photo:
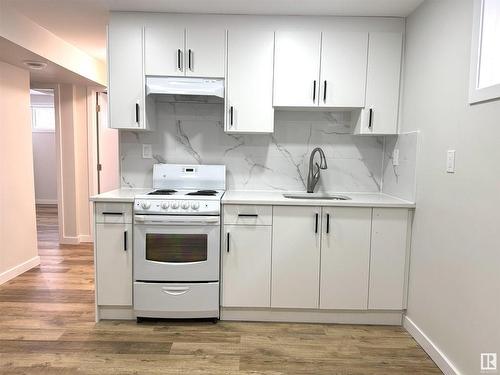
column 43, row 127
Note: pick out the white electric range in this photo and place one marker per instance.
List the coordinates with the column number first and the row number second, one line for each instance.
column 177, row 243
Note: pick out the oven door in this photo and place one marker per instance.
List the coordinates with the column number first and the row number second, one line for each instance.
column 176, row 248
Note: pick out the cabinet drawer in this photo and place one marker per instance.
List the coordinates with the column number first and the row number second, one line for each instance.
column 113, row 212
column 176, row 300
column 248, row 214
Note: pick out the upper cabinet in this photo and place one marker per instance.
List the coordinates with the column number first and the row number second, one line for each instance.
column 126, row 76
column 249, row 82
column 380, row 114
column 313, row 69
column 175, row 51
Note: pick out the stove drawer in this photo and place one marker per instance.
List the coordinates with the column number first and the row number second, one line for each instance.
column 248, row 214
column 176, row 300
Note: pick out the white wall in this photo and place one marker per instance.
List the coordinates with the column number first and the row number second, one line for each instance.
column 44, row 164
column 18, row 242
column 454, row 291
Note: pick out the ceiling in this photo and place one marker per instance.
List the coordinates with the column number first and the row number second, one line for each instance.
column 83, row 22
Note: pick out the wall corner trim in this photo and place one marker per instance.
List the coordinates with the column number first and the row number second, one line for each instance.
column 430, row 348
column 19, row 269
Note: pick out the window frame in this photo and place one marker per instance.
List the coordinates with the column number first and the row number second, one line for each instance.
column 477, row 94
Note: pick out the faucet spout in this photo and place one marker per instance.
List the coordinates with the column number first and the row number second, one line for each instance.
column 313, row 176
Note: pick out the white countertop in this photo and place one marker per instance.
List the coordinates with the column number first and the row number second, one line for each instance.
column 277, row 198
column 272, row 198
column 120, row 195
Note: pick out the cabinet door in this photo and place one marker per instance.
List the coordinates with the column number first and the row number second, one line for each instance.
column 246, row 266
column 382, row 85
column 295, row 258
column 125, row 76
column 343, row 69
column 249, row 80
column 296, row 69
column 205, row 51
column 164, row 51
column 345, row 258
column 114, row 264
column 388, row 258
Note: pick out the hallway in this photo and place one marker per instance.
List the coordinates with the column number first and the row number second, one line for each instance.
column 47, row 327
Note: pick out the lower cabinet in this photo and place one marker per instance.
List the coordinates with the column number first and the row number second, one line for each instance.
column 345, row 258
column 246, row 266
column 296, row 256
column 114, row 264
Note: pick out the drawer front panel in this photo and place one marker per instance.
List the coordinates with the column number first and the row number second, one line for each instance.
column 236, row 214
column 113, row 212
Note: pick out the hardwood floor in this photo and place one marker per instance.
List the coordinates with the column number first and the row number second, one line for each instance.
column 47, row 327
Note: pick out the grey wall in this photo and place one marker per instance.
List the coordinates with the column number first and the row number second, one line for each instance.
column 455, row 275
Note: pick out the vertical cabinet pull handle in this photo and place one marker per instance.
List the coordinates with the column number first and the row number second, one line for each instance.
column 137, row 112
column 227, row 242
column 189, row 60
column 327, row 223
column 370, row 118
column 316, row 224
column 231, row 115
column 314, row 91
column 179, row 60
column 324, row 92
column 125, row 241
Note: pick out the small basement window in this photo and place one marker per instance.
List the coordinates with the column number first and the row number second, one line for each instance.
column 485, row 52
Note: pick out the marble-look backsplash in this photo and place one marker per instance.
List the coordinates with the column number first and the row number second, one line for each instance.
column 193, row 134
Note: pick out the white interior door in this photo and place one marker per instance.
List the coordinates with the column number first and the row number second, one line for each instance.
column 296, row 68
column 345, row 258
column 108, row 150
column 343, row 69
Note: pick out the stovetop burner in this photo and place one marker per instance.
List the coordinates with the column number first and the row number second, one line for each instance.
column 163, row 192
column 203, row 192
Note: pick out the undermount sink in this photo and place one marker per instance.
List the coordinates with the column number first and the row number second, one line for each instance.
column 317, row 196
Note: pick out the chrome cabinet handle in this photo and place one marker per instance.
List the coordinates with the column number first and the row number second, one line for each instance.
column 175, row 290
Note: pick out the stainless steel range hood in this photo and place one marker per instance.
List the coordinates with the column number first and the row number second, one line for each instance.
column 186, row 89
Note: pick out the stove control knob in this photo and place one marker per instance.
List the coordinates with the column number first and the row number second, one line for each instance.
column 164, row 205
column 185, row 205
column 145, row 205
column 195, row 205
column 175, row 205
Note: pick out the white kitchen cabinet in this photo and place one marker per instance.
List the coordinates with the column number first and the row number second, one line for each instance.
column 249, row 81
column 205, row 51
column 126, row 76
column 343, row 69
column 345, row 258
column 388, row 259
column 296, row 257
column 113, row 252
column 246, row 266
column 296, row 68
column 164, row 50
column 380, row 115
column 171, row 50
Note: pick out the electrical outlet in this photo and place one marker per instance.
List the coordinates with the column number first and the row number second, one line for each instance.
column 395, row 157
column 147, row 151
column 450, row 161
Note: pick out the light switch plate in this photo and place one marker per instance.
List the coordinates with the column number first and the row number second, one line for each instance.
column 147, row 151
column 450, row 161
column 395, row 157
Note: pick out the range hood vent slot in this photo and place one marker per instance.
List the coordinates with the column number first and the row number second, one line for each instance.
column 184, row 89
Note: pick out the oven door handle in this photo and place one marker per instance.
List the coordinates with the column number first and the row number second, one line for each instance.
column 169, row 220
column 175, row 290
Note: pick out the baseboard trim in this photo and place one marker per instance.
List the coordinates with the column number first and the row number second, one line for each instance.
column 46, row 201
column 430, row 348
column 312, row 316
column 19, row 269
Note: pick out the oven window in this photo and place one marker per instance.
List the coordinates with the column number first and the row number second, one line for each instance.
column 176, row 248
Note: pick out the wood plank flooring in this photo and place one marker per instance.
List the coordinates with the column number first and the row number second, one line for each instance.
column 47, row 327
